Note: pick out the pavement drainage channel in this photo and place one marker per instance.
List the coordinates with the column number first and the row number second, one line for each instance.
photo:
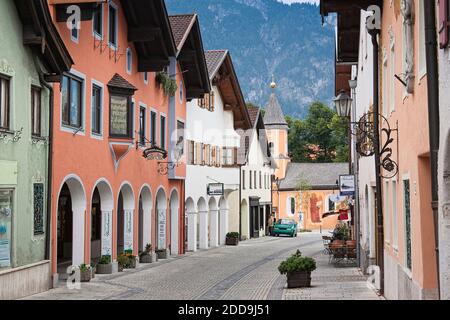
column 219, row 289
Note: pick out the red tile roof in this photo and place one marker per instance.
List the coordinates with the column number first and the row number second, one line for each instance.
column 181, row 25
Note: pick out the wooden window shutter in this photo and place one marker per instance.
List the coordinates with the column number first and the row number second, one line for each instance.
column 212, row 100
column 214, row 160
column 443, row 23
column 219, row 158
column 195, row 153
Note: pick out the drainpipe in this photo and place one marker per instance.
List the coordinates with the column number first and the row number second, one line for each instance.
column 49, row 167
column 433, row 115
column 376, row 121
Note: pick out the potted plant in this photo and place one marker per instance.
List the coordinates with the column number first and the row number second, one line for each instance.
column 162, row 253
column 104, row 265
column 85, row 273
column 298, row 270
column 126, row 261
column 168, row 84
column 93, row 269
column 147, row 255
column 232, row 239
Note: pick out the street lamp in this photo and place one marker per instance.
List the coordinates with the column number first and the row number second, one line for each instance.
column 343, row 104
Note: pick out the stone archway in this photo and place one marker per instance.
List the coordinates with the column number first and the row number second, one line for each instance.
column 213, row 223
column 145, row 218
column 125, row 219
column 203, row 223
column 161, row 219
column 70, row 224
column 102, row 206
column 223, row 219
column 174, row 222
column 191, row 213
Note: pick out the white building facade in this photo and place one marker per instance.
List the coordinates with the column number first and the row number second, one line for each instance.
column 212, row 145
column 256, row 171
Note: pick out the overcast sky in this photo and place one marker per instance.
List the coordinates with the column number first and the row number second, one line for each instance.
column 292, row 1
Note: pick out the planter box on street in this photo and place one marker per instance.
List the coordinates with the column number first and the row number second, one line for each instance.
column 299, row 279
column 163, row 254
column 104, row 268
column 85, row 276
column 232, row 241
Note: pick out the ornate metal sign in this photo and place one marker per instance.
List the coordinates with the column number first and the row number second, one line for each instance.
column 365, row 142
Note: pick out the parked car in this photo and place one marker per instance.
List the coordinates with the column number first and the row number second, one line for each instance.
column 285, row 226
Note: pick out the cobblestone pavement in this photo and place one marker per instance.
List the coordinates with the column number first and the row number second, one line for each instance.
column 246, row 272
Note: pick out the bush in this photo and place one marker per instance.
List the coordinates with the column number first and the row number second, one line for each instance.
column 297, row 263
column 124, row 260
column 168, row 84
column 105, row 260
column 85, row 268
column 233, row 235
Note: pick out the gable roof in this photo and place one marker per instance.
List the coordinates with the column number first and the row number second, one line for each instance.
column 274, row 117
column 43, row 38
column 214, row 59
column 118, row 82
column 320, row 176
column 190, row 54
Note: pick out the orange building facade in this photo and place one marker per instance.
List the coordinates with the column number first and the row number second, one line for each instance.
column 111, row 107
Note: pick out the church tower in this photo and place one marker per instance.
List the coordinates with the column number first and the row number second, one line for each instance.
column 277, row 133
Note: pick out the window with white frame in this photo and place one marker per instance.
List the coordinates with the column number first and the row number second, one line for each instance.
column 422, row 48
column 129, row 61
column 97, row 22
column 392, row 76
column 72, row 101
column 4, row 102
column 142, row 125
column 290, row 205
column 36, row 111
column 394, row 215
column 146, row 77
column 162, row 136
column 96, row 110
column 112, row 25
column 387, row 212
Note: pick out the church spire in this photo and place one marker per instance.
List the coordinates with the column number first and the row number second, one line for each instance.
column 274, row 117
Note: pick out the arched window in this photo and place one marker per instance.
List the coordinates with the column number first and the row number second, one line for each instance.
column 181, row 91
column 290, row 205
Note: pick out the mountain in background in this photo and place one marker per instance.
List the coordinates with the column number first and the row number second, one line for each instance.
column 268, row 37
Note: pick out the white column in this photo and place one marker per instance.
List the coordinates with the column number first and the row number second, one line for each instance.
column 107, row 233
column 192, row 231
column 203, row 215
column 174, row 217
column 223, row 226
column 147, row 229
column 78, row 236
column 128, row 230
column 214, row 228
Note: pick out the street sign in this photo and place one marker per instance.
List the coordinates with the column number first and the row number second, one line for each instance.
column 216, row 189
column 347, row 185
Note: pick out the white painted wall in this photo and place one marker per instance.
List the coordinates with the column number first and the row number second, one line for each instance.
column 215, row 128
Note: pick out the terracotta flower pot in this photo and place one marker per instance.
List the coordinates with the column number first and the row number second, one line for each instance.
column 299, row 279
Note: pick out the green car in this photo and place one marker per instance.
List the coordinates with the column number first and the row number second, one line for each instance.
column 285, row 226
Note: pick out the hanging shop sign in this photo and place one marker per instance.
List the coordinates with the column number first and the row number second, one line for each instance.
column 216, row 189
column 344, row 215
column 347, row 185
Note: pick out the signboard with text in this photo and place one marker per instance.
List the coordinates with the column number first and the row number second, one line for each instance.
column 347, row 185
column 215, row 189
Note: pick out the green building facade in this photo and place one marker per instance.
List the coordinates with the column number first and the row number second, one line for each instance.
column 31, row 56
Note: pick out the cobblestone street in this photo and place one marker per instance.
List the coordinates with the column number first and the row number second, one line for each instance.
column 248, row 272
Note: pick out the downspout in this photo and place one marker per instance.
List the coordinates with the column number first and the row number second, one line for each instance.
column 49, row 166
column 379, row 199
column 433, row 115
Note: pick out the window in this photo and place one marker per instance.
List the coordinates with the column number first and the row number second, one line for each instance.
column 422, row 48
column 207, row 102
column 4, row 103
column 129, row 61
column 181, row 91
column 250, row 178
column 291, row 205
column 75, row 32
column 146, row 77
column 97, row 21
column 394, row 215
column 254, row 177
column 444, row 23
column 72, row 101
column 191, row 152
column 112, row 26
column 229, row 156
column 179, row 147
column 162, row 136
column 247, row 145
column 142, row 125
column 153, row 127
column 407, row 213
column 6, row 212
column 96, row 110
column 260, row 180
column 243, row 179
column 385, row 106
column 392, row 79
column 387, row 214
column 38, row 205
column 331, row 204
column 120, row 120
column 35, row 111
